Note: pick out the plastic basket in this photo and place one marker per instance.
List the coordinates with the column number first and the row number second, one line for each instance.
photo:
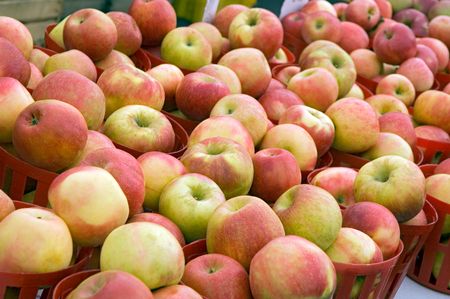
column 194, row 249
column 187, row 124
column 367, row 92
column 368, row 83
column 290, row 58
column 294, row 44
column 154, row 54
column 278, row 68
column 433, row 151
column 322, row 162
column 65, row 286
column 443, row 79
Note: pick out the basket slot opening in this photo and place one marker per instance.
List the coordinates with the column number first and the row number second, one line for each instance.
column 41, row 195
column 18, row 188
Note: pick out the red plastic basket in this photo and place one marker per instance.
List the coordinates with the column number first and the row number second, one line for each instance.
column 65, row 286
column 322, row 162
column 50, row 43
column 294, row 44
column 194, row 249
column 368, row 83
column 290, row 58
column 187, row 124
column 366, row 91
column 154, row 54
column 443, row 79
column 277, row 68
column 433, row 151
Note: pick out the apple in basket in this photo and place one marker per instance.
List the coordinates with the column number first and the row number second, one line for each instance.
column 6, row 205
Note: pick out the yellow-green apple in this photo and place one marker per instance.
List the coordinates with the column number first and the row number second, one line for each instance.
column 432, row 107
column 240, row 227
column 439, row 29
column 400, row 124
column 35, row 77
column 441, row 8
column 14, row 98
column 225, row 16
column 212, row 35
column 439, row 48
column 356, row 125
column 223, row 126
column 377, row 222
column 316, row 123
column 95, row 141
column 74, row 60
column 224, row 161
column 367, row 63
column 6, row 205
column 154, row 18
column 41, row 230
column 189, row 202
column 340, row 8
column 12, row 62
column 90, row 31
column 170, row 77
column 277, row 101
column 383, row 103
column 438, row 186
column 176, row 292
column 285, row 74
column 354, row 37
column 321, row 25
column 113, row 58
column 338, row 181
column 197, row 94
column 355, row 92
column 129, row 37
column 49, row 134
column 223, row 74
column 71, row 87
column 388, row 69
column 256, row 28
column 161, row 220
column 291, row 259
column 57, row 33
column 310, row 212
column 386, row 8
column 159, row 170
column 398, row 5
column 18, row 34
column 398, row 86
column 443, row 167
column 317, row 87
column 318, row 5
column 186, row 48
column 125, row 169
column 139, row 246
column 252, row 69
column 365, row 13
column 245, row 109
column 38, row 58
column 111, row 284
column 275, row 171
column 394, row 43
column 418, row 72
column 140, row 128
column 415, row 20
column 423, row 5
column 394, row 182
column 432, row 133
column 217, row 276
column 293, row 23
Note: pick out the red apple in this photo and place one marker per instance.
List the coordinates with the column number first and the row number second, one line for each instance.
column 212, row 35
column 35, row 77
column 383, row 103
column 277, row 101
column 225, row 16
column 439, row 48
column 224, row 74
column 12, row 62
column 418, row 72
column 275, row 84
column 113, row 58
column 385, row 8
column 400, row 124
column 18, row 34
column 340, row 8
column 129, row 37
column 74, row 60
column 170, row 77
column 318, row 5
column 95, row 141
column 398, row 86
column 432, row 107
column 432, row 133
column 176, row 292
column 285, row 74
column 439, row 29
column 365, row 13
column 424, row 5
column 321, row 25
column 293, row 22
column 6, row 205
column 354, row 37
column 443, row 167
column 415, row 20
column 38, row 58
column 440, row 8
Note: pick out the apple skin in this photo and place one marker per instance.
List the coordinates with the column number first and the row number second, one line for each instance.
column 293, row 23
column 394, row 43
column 75, row 89
column 439, row 48
column 356, row 125
column 414, row 19
column 355, row 92
column 140, row 128
column 294, row 139
column 240, row 227
column 90, row 31
column 385, row 8
column 418, row 72
column 424, row 5
column 6, row 205
column 438, row 9
column 275, row 171
column 224, row 161
column 217, row 276
column 129, row 37
column 377, row 222
column 419, row 219
column 49, row 134
column 38, row 58
column 197, row 94
column 321, row 25
column 256, row 28
column 365, row 13
column 274, row 84
column 340, row 8
column 57, row 33
column 74, row 60
column 224, row 74
column 318, row 5
column 438, row 186
column 400, row 124
column 316, row 123
column 18, row 34
column 114, row 58
column 443, row 167
column 394, row 182
column 310, row 212
column 285, row 74
column 125, row 85
column 338, row 181
column 35, row 77
column 12, row 62
column 398, row 86
column 14, row 98
column 159, row 169
column 383, row 103
column 161, row 220
column 439, row 29
column 295, row 259
column 367, row 63
column 212, row 35
column 252, row 69
column 226, row 15
column 447, row 89
column 432, row 133
column 189, row 201
column 277, row 101
column 139, row 246
column 170, row 77
column 95, row 141
column 432, row 107
column 176, row 292
column 398, row 5
column 186, row 48
column 354, row 37
column 41, row 230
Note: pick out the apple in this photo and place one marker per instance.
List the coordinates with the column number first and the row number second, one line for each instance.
column 291, row 259
column 385, row 8
column 140, row 128
column 223, row 74
column 383, row 103
column 394, row 182
column 186, row 48
column 443, row 167
column 111, row 284
column 317, row 87
column 170, row 77
column 432, row 133
column 226, row 47
column 286, row 73
column 217, row 276
column 318, row 5
column 280, row 57
column 137, row 247
column 274, row 84
column 49, row 134
column 114, row 58
column 175, row 292
column 71, row 87
column 439, row 48
column 439, row 29
column 367, row 63
column 225, row 16
column 18, row 34
column 432, row 107
column 419, row 220
column 338, row 181
column 398, row 86
column 354, row 37
column 14, row 98
column 256, row 28
column 398, row 5
column 340, row 8
column 438, row 9
column 38, row 58
column 316, row 123
column 41, row 230
column 438, row 262
column 277, row 101
column 154, row 18
column 240, row 227
column 6, row 205
column 95, row 141
column 57, row 33
column 12, row 62
column 293, row 23
column 355, row 92
column 400, row 124
column 212, row 35
column 321, row 25
column 424, row 5
column 447, row 89
column 224, row 161
column 365, row 13
column 35, row 77
column 74, row 60
column 438, row 186
column 197, row 94
column 415, row 20
column 129, row 37
column 418, row 72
